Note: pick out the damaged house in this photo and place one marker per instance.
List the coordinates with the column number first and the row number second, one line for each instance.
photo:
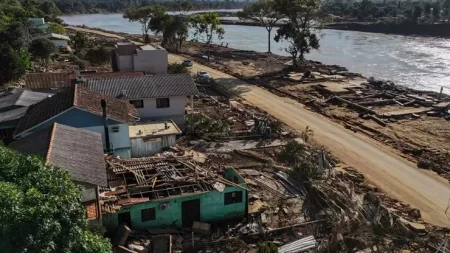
column 171, row 192
column 156, row 97
column 79, row 107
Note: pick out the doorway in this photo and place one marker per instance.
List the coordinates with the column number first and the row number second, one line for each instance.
column 190, row 212
column 125, row 218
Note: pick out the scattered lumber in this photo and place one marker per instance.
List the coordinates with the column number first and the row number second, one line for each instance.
column 354, row 105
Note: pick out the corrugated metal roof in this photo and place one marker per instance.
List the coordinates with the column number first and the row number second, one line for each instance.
column 79, row 151
column 20, row 97
column 152, row 86
column 12, row 114
column 101, row 75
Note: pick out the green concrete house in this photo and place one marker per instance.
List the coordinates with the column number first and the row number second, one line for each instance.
column 178, row 204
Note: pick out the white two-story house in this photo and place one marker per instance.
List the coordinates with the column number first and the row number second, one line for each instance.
column 155, row 97
column 152, row 59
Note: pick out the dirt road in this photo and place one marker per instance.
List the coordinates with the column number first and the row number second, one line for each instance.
column 393, row 174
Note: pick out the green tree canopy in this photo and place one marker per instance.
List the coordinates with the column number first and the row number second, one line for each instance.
column 144, row 15
column 206, row 26
column 14, row 63
column 16, row 34
column 263, row 12
column 98, row 55
column 40, row 209
column 299, row 31
column 56, row 28
column 79, row 41
column 42, row 48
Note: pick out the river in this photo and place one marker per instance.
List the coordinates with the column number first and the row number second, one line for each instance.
column 416, row 62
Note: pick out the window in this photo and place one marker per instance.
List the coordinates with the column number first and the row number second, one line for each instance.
column 162, row 103
column 137, row 103
column 233, row 197
column 148, row 214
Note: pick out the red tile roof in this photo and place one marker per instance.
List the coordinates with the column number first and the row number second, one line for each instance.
column 48, row 80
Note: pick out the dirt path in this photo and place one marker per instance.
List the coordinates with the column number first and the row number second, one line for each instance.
column 393, row 174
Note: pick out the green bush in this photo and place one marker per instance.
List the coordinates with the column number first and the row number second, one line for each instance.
column 98, row 55
column 290, row 152
column 176, row 68
column 267, row 247
column 42, row 48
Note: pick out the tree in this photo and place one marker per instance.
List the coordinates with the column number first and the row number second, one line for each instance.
column 14, row 63
column 98, row 55
column 446, row 8
column 417, row 13
column 42, row 48
column 56, row 28
column 427, row 10
column 49, row 8
column 436, row 12
column 17, row 35
column 144, row 15
column 40, row 209
column 79, row 41
column 299, row 30
column 173, row 28
column 263, row 12
column 185, row 7
column 176, row 68
column 206, row 26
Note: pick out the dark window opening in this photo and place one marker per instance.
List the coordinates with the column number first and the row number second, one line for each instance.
column 235, row 179
column 233, row 197
column 148, row 214
column 162, row 103
column 137, row 103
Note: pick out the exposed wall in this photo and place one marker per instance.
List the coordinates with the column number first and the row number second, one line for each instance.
column 125, row 62
column 175, row 112
column 59, row 43
column 151, row 61
column 119, row 140
column 141, row 147
column 212, row 210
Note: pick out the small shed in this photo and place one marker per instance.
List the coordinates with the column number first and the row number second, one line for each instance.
column 150, row 138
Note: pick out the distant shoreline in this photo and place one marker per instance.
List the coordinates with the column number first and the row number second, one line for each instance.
column 433, row 30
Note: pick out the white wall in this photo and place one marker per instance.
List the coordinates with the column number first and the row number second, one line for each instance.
column 118, row 140
column 59, row 43
column 177, row 105
column 124, row 62
column 151, row 61
column 141, row 148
